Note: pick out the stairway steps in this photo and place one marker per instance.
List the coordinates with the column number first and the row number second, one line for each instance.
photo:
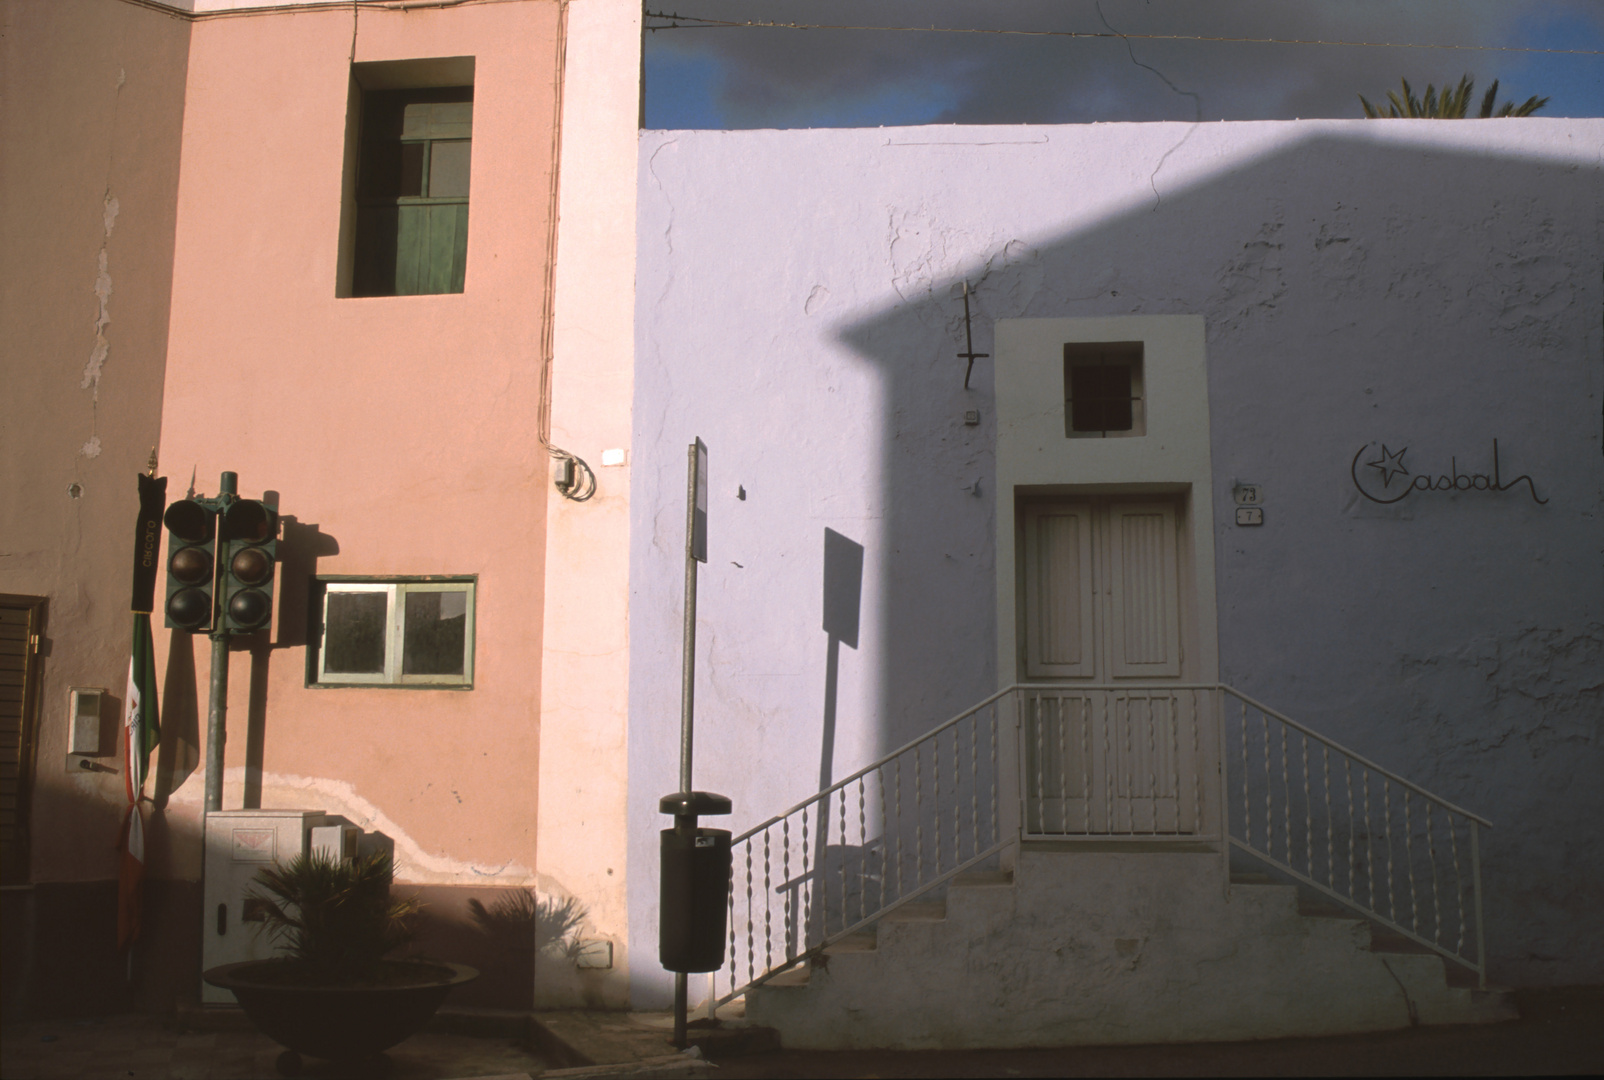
column 984, row 879
column 859, row 942
column 794, row 978
column 918, row 911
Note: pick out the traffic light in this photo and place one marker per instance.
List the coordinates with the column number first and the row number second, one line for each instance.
column 191, row 564
column 250, row 530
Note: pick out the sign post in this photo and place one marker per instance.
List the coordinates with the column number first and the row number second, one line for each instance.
column 694, row 877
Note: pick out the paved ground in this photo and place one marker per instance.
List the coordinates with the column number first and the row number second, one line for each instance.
column 1560, row 1031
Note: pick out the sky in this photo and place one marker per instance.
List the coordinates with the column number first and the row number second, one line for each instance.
column 756, row 77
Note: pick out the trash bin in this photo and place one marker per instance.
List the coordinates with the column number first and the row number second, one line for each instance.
column 694, row 885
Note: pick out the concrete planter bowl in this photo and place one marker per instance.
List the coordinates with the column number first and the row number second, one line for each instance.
column 347, row 1023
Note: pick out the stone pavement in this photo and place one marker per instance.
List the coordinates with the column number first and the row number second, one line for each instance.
column 1561, row 1031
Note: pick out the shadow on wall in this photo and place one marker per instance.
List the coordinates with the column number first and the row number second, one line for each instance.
column 503, row 932
column 1341, row 279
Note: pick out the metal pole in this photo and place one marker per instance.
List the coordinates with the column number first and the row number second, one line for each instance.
column 217, row 709
column 688, row 671
column 680, row 1008
column 216, row 726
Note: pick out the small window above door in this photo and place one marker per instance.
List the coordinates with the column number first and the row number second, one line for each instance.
column 1103, row 390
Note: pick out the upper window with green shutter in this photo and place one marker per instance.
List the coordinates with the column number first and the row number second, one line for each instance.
column 412, row 192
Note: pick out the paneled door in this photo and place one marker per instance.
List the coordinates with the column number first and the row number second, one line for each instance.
column 1102, row 607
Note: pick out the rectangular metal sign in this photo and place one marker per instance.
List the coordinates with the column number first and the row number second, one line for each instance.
column 698, row 536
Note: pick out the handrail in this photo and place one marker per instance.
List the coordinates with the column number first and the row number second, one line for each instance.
column 831, row 886
column 872, row 766
column 1360, row 758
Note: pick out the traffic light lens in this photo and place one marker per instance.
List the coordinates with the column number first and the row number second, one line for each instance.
column 191, row 565
column 189, row 608
column 190, row 521
column 246, row 520
column 252, row 566
column 249, row 608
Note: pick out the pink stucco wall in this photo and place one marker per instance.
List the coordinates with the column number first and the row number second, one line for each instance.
column 401, row 428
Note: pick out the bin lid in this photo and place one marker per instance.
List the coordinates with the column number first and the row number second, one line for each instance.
column 695, row 802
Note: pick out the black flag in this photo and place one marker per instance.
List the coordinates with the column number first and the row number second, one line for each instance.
column 148, row 540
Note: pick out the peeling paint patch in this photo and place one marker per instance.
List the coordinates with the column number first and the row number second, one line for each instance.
column 97, row 355
column 91, row 449
column 413, row 864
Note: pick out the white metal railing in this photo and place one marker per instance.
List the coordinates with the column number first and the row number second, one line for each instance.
column 1126, row 761
column 1352, row 830
column 1117, row 760
column 882, row 837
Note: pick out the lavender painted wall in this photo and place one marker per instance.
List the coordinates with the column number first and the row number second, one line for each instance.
column 1430, row 285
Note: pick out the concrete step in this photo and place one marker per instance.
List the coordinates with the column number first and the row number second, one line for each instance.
column 857, row 942
column 984, row 879
column 918, row 911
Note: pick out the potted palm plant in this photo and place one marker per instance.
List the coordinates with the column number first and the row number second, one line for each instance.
column 332, row 993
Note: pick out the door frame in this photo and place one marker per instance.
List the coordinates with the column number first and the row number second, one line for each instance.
column 1172, row 458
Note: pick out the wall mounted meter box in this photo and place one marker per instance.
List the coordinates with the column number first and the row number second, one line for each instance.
column 238, row 844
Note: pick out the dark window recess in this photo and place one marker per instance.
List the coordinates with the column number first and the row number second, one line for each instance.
column 1100, row 397
column 436, row 629
column 1103, row 389
column 412, row 192
column 355, row 634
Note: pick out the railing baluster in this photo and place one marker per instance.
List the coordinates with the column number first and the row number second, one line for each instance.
column 897, row 802
column 935, row 797
column 768, row 892
column 1459, row 883
column 1409, row 864
column 1308, row 814
column 1110, row 768
column 1386, row 795
column 958, row 804
column 1129, row 769
column 885, row 834
column 1325, row 772
column 843, row 855
column 806, row 886
column 918, row 820
column 1370, row 843
column 1347, row 775
column 1063, row 768
column 785, row 872
column 1175, row 755
column 1286, row 798
column 1040, row 802
column 1436, row 907
column 995, row 713
column 1152, row 768
column 1085, row 744
column 863, row 852
column 751, row 958
column 1247, row 811
column 974, row 781
column 1269, row 809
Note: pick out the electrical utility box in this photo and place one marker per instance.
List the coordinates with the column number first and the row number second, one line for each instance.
column 238, row 844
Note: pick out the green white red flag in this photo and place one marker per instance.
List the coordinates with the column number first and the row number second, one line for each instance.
column 140, row 722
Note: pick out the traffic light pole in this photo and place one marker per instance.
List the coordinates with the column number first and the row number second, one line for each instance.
column 216, row 722
column 217, row 697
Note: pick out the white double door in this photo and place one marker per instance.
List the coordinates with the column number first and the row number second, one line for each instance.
column 1111, row 748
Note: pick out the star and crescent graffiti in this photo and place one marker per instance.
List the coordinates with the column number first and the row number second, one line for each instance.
column 1388, row 466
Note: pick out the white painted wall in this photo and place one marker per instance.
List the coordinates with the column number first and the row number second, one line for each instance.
column 1427, row 284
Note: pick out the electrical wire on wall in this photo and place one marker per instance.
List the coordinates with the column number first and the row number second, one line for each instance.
column 572, row 477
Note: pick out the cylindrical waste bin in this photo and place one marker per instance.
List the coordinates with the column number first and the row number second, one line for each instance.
column 694, row 884
column 694, row 899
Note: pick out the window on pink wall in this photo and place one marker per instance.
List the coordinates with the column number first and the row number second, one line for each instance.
column 409, row 166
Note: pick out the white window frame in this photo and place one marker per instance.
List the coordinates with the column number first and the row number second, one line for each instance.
column 395, row 591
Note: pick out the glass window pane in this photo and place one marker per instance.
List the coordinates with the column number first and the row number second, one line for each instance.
column 411, row 182
column 448, row 169
column 435, row 633
column 354, row 631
